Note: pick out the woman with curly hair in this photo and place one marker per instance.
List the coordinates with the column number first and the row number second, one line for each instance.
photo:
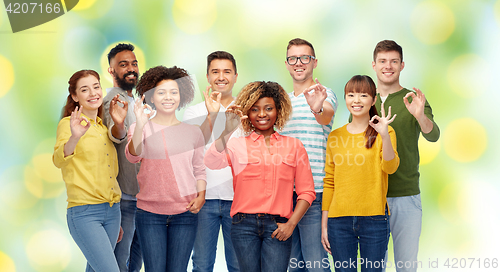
column 172, row 174
column 266, row 167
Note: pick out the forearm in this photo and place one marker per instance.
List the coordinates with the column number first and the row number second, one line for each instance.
column 221, row 142
column 118, row 131
column 324, row 220
column 201, row 187
column 135, row 145
column 70, row 146
column 326, row 117
column 387, row 149
column 298, row 213
column 425, row 123
column 207, row 126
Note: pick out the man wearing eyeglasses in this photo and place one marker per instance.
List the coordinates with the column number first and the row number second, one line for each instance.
column 314, row 107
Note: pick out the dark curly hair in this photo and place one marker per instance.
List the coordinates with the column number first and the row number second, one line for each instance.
column 150, row 79
column 254, row 91
column 119, row 48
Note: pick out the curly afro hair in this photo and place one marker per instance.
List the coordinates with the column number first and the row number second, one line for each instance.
column 150, row 79
column 254, row 91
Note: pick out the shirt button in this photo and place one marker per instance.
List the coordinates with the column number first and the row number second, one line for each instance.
column 104, row 144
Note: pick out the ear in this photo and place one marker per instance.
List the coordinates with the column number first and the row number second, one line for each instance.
column 373, row 65
column 374, row 100
column 75, row 98
column 235, row 77
column 110, row 71
column 402, row 65
column 315, row 63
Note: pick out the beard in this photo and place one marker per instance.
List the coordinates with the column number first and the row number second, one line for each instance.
column 123, row 83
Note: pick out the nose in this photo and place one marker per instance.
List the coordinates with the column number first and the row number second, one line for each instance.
column 356, row 98
column 262, row 113
column 221, row 76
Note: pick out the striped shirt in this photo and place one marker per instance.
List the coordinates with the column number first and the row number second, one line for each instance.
column 303, row 126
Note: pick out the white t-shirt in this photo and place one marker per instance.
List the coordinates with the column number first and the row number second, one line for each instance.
column 219, row 182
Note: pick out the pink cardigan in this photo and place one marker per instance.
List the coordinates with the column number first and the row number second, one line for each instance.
column 171, row 163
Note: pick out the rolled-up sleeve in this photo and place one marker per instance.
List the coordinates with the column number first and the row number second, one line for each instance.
column 198, row 165
column 63, row 135
column 304, row 183
column 216, row 160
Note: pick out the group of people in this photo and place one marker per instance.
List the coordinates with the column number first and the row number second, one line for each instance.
column 265, row 167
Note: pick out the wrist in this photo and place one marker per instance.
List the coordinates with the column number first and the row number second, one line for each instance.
column 317, row 112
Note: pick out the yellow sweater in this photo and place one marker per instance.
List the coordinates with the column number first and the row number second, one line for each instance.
column 356, row 177
column 90, row 172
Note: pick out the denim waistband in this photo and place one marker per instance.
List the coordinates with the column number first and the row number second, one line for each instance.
column 259, row 215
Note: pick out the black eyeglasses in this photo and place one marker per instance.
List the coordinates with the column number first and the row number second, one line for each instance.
column 305, row 59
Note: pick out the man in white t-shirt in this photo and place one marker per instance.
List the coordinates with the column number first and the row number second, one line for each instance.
column 314, row 107
column 221, row 75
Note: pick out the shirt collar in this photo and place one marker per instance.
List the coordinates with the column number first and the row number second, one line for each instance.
column 98, row 121
column 254, row 136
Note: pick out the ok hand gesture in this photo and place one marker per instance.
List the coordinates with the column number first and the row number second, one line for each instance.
column 141, row 117
column 233, row 118
column 117, row 112
column 383, row 122
column 316, row 98
column 75, row 122
column 212, row 100
column 417, row 105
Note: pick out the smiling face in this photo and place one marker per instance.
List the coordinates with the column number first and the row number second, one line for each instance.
column 166, row 97
column 222, row 76
column 359, row 104
column 388, row 66
column 301, row 72
column 125, row 70
column 88, row 94
column 263, row 115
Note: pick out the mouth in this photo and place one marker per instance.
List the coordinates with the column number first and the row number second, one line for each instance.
column 299, row 70
column 93, row 100
column 262, row 121
column 357, row 108
column 168, row 105
column 388, row 73
column 221, row 84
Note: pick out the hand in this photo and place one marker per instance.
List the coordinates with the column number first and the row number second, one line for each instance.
column 315, row 99
column 142, row 117
column 196, row 204
column 120, row 235
column 212, row 100
column 233, row 118
column 117, row 112
column 324, row 240
column 383, row 122
column 283, row 232
column 75, row 122
column 417, row 105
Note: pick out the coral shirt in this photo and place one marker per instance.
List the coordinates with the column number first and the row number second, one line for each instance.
column 264, row 178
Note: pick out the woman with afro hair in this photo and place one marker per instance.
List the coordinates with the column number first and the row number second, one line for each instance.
column 266, row 168
column 172, row 174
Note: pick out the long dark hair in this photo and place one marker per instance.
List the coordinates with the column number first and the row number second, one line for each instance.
column 364, row 84
column 72, row 104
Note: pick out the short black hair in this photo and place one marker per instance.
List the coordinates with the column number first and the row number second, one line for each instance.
column 119, row 48
column 221, row 55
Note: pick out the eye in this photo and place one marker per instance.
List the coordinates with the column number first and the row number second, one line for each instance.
column 364, row 95
column 135, row 64
column 122, row 65
column 350, row 95
column 253, row 109
column 175, row 92
column 269, row 108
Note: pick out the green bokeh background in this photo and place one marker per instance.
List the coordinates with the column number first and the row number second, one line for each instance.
column 451, row 51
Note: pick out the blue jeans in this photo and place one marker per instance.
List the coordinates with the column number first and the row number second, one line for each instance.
column 166, row 240
column 370, row 232
column 128, row 250
column 255, row 249
column 406, row 226
column 308, row 253
column 95, row 229
column 212, row 215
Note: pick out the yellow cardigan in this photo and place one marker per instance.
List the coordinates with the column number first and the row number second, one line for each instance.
column 355, row 183
column 90, row 172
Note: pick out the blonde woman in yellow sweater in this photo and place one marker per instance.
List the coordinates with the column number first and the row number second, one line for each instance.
column 359, row 157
